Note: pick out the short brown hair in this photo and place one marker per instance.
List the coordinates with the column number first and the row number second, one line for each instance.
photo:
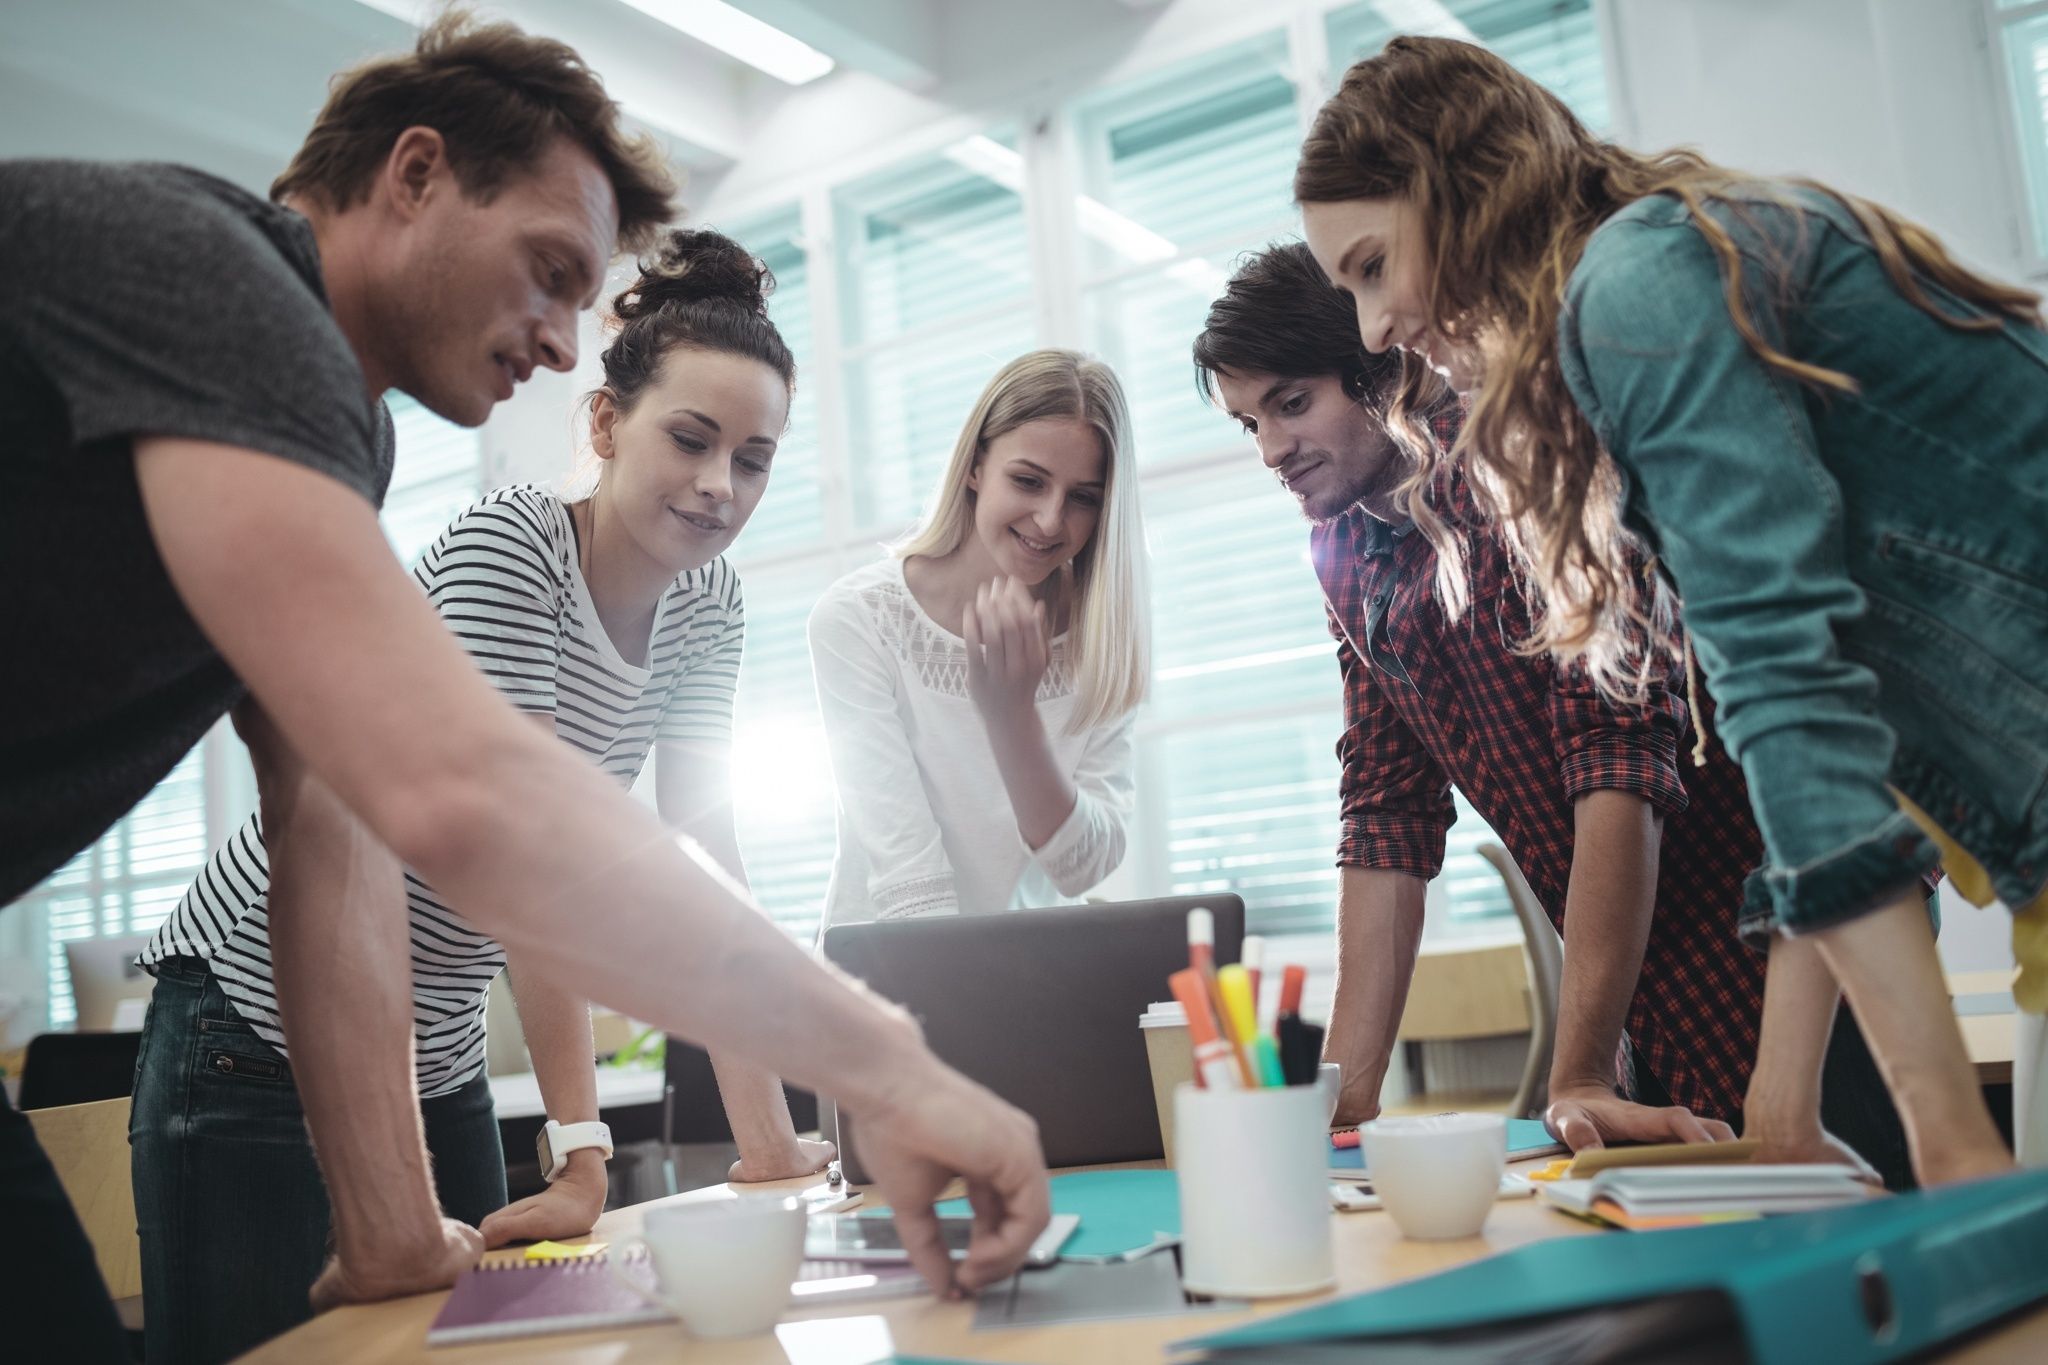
column 499, row 97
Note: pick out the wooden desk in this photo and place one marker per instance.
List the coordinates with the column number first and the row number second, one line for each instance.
column 1991, row 1038
column 1370, row 1253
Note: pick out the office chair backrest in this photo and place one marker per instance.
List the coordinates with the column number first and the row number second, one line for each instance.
column 78, row 1068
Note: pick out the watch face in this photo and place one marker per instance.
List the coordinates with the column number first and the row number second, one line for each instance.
column 547, row 1158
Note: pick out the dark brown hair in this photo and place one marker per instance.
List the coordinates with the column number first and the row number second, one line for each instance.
column 1510, row 186
column 699, row 288
column 499, row 97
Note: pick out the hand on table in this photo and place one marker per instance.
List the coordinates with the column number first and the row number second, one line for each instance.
column 940, row 1124
column 1009, row 646
column 390, row 1273
column 567, row 1208
column 1586, row 1118
column 806, row 1157
column 1354, row 1108
column 1806, row 1143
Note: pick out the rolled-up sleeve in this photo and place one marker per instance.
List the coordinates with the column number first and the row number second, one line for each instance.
column 1605, row 745
column 1396, row 800
column 1722, row 459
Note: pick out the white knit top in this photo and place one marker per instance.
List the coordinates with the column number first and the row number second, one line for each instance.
column 925, row 823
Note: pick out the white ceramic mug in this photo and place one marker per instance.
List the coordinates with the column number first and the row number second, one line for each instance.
column 722, row 1266
column 1254, row 1207
column 1438, row 1174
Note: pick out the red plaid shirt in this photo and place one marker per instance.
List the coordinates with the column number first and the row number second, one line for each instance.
column 1431, row 703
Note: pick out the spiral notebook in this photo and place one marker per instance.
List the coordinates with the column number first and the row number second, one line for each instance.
column 534, row 1298
column 529, row 1298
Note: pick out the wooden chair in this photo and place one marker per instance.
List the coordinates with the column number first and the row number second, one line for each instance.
column 1546, row 971
column 88, row 1144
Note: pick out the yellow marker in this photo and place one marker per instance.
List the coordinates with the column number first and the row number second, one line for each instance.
column 1234, row 984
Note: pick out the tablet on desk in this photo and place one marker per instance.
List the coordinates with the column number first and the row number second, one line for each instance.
column 874, row 1239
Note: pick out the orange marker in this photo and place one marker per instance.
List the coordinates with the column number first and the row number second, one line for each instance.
column 1291, row 983
column 1215, row 1062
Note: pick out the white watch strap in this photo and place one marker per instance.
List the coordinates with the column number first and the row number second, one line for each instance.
column 564, row 1138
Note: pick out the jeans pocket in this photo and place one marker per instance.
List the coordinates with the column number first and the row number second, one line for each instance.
column 232, row 1051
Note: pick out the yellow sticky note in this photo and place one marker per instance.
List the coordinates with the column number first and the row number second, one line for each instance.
column 555, row 1251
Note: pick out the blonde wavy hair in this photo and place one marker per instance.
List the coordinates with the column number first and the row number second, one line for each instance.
column 1109, row 631
column 1510, row 186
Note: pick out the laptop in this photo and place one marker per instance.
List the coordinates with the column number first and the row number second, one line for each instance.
column 1042, row 1007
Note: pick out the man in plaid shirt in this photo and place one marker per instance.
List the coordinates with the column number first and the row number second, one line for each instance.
column 1641, row 869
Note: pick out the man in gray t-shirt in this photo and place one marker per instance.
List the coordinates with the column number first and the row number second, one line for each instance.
column 460, row 204
column 141, row 298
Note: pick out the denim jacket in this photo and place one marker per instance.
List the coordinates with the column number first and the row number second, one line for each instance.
column 1865, row 574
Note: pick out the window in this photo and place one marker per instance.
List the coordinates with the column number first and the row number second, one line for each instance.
column 936, row 297
column 1557, row 42
column 437, row 475
column 2023, row 36
column 1182, row 171
column 131, row 879
column 782, row 774
column 792, row 513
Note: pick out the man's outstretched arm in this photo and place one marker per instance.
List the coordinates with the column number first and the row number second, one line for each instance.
column 287, row 573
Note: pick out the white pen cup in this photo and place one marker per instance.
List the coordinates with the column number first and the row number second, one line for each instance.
column 724, row 1267
column 1437, row 1174
column 1254, row 1207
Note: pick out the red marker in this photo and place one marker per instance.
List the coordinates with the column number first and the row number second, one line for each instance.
column 1253, row 956
column 1215, row 1060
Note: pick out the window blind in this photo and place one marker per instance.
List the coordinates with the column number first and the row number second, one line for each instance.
column 791, row 514
column 936, row 296
column 1556, row 42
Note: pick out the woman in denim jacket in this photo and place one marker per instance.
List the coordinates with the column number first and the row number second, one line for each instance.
column 1833, row 437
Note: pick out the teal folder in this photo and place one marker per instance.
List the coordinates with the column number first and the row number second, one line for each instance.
column 1119, row 1210
column 1526, row 1138
column 1873, row 1282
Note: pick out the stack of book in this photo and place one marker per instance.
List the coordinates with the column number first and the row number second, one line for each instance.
column 1687, row 1196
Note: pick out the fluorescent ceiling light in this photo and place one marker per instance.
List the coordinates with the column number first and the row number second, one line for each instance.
column 739, row 34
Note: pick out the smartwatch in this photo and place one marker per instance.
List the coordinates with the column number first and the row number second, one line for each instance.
column 557, row 1140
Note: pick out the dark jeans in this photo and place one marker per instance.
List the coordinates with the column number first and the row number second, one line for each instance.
column 56, row 1303
column 228, row 1198
column 1855, row 1106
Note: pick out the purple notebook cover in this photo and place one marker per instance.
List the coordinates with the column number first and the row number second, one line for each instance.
column 529, row 1298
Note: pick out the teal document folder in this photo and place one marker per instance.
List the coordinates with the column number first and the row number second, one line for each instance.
column 1526, row 1138
column 1872, row 1282
column 1119, row 1210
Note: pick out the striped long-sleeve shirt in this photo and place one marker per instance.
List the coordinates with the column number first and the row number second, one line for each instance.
column 504, row 577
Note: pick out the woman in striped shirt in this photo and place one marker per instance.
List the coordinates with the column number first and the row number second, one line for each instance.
column 616, row 623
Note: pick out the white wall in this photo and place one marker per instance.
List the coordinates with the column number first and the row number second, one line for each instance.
column 1896, row 100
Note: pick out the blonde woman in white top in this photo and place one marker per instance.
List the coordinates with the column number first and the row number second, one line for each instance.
column 978, row 684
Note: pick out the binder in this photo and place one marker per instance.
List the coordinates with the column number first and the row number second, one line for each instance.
column 1871, row 1282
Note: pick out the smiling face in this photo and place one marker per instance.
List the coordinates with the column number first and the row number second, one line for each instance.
column 1374, row 250
column 1038, row 495
column 486, row 293
column 1327, row 450
column 686, row 465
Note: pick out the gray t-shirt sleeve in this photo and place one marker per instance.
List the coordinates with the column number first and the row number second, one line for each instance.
column 156, row 301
